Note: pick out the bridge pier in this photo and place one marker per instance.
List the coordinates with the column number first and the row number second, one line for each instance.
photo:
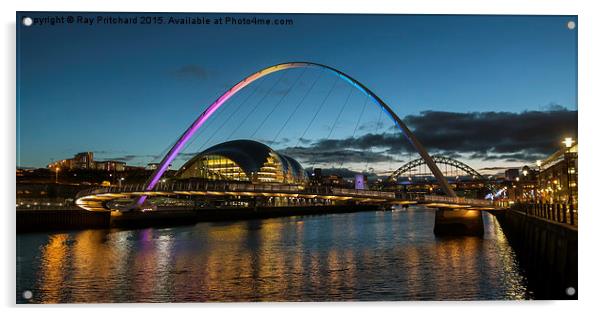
column 458, row 222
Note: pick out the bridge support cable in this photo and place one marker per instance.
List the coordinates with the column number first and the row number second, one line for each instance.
column 336, row 120
column 246, row 118
column 219, row 129
column 318, row 110
column 278, row 103
column 377, row 130
column 202, row 118
column 298, row 105
column 357, row 123
column 234, row 111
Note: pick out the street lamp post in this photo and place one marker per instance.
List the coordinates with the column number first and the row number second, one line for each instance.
column 538, row 163
column 56, row 174
column 568, row 143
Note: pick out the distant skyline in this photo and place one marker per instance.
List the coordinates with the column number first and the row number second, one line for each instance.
column 492, row 91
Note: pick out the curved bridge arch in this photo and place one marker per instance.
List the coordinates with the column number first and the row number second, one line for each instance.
column 437, row 159
column 179, row 145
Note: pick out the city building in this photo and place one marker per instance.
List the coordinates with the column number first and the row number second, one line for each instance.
column 85, row 161
column 316, row 176
column 557, row 180
column 109, row 165
column 79, row 161
column 511, row 174
column 335, row 180
column 243, row 160
column 155, row 165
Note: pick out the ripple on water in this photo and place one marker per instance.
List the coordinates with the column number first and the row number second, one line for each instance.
column 354, row 256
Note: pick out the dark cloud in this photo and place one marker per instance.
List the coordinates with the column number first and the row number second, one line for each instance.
column 513, row 157
column 449, row 154
column 304, row 140
column 281, row 141
column 185, row 156
column 320, row 155
column 193, row 72
column 532, row 133
column 488, row 136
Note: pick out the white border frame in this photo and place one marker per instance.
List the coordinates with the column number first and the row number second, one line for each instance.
column 589, row 25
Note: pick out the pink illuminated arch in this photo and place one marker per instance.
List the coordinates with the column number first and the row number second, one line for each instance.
column 179, row 145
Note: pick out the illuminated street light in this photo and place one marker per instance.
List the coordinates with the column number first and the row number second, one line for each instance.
column 568, row 143
column 56, row 174
column 525, row 173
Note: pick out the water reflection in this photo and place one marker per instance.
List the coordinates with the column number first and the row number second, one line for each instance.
column 357, row 256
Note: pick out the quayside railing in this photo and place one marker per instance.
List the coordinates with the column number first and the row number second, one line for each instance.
column 556, row 212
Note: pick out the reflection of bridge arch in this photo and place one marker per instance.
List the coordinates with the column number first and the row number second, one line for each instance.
column 438, row 160
column 179, row 145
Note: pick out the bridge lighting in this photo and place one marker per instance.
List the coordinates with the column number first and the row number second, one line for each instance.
column 184, row 138
column 568, row 142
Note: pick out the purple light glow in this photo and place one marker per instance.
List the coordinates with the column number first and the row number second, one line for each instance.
column 175, row 150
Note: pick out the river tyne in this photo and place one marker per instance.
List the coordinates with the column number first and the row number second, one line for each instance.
column 363, row 256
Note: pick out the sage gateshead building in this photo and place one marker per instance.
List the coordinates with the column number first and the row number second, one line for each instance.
column 243, row 160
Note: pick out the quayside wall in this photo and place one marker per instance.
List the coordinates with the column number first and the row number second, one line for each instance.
column 546, row 250
column 49, row 220
column 52, row 220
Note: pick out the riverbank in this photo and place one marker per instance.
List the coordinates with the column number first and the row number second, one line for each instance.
column 53, row 220
column 547, row 250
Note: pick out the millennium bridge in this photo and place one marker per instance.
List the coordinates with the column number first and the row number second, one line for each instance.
column 99, row 199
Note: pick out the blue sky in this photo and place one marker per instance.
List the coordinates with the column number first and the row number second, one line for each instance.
column 130, row 91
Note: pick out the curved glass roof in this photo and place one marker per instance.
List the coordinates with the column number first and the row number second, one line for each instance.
column 250, row 155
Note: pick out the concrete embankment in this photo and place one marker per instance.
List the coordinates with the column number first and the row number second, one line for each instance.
column 547, row 251
column 28, row 221
column 453, row 222
column 50, row 220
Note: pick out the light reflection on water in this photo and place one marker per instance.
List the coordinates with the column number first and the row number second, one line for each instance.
column 355, row 256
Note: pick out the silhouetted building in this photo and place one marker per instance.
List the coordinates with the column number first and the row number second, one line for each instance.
column 511, row 174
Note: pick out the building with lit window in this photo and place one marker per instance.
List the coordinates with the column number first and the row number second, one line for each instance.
column 558, row 176
column 109, row 165
column 85, row 161
column 243, row 160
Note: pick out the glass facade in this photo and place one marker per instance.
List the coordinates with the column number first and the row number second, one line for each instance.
column 243, row 160
column 213, row 167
